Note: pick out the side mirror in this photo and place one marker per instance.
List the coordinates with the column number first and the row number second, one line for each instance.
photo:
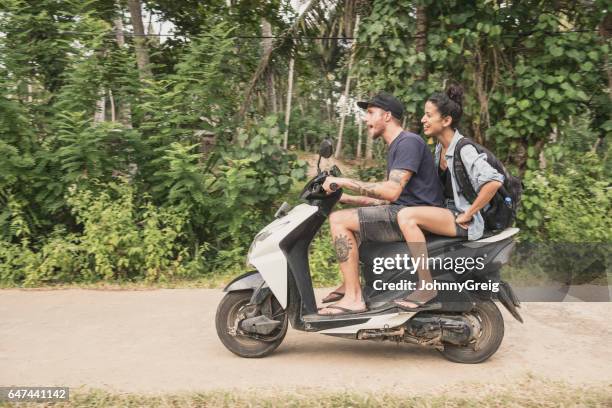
column 326, row 149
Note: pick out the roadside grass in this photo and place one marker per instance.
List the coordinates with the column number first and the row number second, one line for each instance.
column 208, row 281
column 528, row 393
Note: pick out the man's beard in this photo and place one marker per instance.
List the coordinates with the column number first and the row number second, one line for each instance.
column 376, row 133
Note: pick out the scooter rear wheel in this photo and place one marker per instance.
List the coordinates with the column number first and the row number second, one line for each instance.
column 246, row 345
column 486, row 344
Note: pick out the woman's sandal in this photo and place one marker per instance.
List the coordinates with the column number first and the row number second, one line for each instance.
column 333, row 297
column 419, row 304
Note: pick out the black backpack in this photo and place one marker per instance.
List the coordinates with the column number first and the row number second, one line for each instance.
column 503, row 207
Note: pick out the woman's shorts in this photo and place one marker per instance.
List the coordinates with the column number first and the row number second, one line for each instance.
column 450, row 205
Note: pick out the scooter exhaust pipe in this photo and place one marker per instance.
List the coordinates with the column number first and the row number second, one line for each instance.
column 426, row 330
column 380, row 334
column 442, row 329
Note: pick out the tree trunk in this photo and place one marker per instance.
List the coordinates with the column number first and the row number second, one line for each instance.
column 100, row 113
column 359, row 127
column 271, row 93
column 111, row 99
column 359, row 132
column 140, row 40
column 303, row 113
column 346, row 90
column 266, row 50
column 280, row 101
column 118, row 22
column 420, row 46
column 605, row 30
column 125, row 110
column 288, row 107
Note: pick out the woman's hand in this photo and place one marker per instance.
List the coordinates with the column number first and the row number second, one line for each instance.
column 463, row 220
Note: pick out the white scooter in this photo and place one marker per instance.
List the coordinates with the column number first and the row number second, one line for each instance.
column 465, row 326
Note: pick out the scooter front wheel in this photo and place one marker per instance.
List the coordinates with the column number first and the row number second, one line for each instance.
column 245, row 344
column 491, row 324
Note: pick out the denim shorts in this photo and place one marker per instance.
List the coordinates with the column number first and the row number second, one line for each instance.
column 379, row 223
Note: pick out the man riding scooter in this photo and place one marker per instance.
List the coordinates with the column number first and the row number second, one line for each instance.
column 411, row 181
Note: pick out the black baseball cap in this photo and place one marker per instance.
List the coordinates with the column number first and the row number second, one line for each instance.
column 386, row 102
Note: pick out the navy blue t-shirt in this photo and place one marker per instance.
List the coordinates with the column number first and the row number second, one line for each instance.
column 409, row 152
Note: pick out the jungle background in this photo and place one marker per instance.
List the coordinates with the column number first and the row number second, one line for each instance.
column 149, row 140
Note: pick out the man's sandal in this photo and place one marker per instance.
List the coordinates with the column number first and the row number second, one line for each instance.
column 344, row 311
column 333, row 297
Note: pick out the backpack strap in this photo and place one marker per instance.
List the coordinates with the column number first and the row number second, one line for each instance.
column 461, row 175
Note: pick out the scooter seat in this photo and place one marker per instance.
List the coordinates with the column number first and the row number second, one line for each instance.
column 434, row 242
column 438, row 241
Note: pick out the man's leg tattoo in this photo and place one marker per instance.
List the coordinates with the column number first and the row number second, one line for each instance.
column 343, row 247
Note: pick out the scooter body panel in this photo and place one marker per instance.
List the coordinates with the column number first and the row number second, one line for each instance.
column 266, row 254
column 390, row 321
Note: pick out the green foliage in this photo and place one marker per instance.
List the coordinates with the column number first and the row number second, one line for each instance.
column 199, row 98
column 520, row 83
column 324, row 268
column 33, row 45
column 251, row 182
column 525, row 71
column 371, row 172
column 570, row 199
column 89, row 150
column 307, row 130
column 572, row 206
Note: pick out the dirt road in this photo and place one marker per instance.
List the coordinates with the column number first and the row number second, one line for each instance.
column 165, row 341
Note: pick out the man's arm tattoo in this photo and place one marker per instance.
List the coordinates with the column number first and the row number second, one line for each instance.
column 365, row 189
column 343, row 248
column 361, row 200
column 371, row 201
column 372, row 190
column 399, row 176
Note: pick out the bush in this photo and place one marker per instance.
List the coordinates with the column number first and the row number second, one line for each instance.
column 568, row 201
column 121, row 240
column 324, row 268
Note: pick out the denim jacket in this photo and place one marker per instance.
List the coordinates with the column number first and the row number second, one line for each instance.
column 479, row 171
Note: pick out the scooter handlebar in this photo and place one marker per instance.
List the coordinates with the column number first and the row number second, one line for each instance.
column 315, row 186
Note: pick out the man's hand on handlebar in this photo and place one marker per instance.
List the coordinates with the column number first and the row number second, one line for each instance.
column 331, row 184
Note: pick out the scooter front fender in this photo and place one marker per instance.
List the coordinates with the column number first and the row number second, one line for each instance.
column 247, row 281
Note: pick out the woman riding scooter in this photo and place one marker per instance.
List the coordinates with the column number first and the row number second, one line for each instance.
column 458, row 217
